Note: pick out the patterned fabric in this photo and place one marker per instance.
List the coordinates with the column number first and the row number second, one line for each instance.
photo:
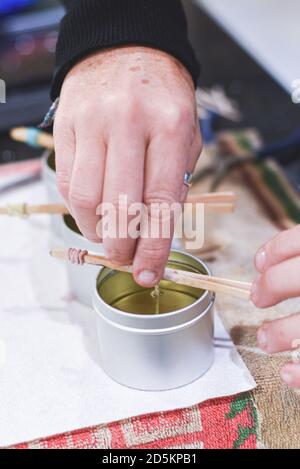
column 220, row 423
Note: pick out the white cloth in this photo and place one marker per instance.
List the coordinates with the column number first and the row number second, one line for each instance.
column 50, row 379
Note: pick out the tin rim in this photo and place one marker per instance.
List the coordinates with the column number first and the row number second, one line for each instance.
column 47, row 170
column 80, row 237
column 206, row 299
column 163, row 330
column 77, row 240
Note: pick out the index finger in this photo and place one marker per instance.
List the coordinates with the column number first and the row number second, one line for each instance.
column 283, row 246
column 278, row 283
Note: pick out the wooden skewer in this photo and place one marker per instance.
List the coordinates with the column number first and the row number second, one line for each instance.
column 213, row 198
column 58, row 209
column 25, row 210
column 210, row 278
column 91, row 259
column 214, row 284
column 219, row 208
column 204, row 282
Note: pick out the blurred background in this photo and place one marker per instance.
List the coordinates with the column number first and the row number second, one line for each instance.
column 248, row 47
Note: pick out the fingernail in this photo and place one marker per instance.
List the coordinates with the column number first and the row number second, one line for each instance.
column 262, row 339
column 287, row 377
column 260, row 259
column 147, row 277
column 255, row 292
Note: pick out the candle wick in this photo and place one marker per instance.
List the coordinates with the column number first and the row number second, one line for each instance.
column 156, row 293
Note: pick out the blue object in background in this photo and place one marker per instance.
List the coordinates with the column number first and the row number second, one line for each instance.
column 207, row 127
column 10, row 6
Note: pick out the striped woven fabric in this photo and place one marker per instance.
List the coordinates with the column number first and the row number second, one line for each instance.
column 220, row 423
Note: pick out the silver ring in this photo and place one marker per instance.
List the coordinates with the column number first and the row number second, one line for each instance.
column 188, row 179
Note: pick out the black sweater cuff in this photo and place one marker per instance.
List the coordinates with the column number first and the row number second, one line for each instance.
column 92, row 25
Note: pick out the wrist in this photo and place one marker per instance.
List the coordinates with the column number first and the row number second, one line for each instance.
column 131, row 58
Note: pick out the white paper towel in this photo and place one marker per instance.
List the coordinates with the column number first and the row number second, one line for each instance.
column 50, row 379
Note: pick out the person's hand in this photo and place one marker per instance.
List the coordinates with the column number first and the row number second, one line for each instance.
column 278, row 262
column 126, row 124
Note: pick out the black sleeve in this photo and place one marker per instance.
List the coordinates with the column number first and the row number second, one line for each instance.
column 91, row 25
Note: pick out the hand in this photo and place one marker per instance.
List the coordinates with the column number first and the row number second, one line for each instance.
column 278, row 262
column 126, row 124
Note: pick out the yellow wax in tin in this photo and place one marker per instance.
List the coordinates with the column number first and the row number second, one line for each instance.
column 142, row 302
column 119, row 290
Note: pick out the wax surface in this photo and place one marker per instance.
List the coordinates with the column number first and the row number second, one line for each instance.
column 142, row 302
column 119, row 290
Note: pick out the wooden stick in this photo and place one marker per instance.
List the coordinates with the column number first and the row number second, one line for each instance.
column 219, row 208
column 210, row 278
column 204, row 282
column 91, row 259
column 24, row 210
column 213, row 198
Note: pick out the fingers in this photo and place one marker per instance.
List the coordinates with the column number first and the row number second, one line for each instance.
column 283, row 246
column 64, row 142
column 195, row 154
column 123, row 177
column 166, row 163
column 280, row 335
column 290, row 375
column 277, row 284
column 86, row 186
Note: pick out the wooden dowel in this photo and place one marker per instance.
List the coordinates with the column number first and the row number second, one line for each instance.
column 59, row 209
column 213, row 198
column 91, row 259
column 24, row 210
column 219, row 208
column 214, row 284
column 48, row 209
column 210, row 278
column 207, row 284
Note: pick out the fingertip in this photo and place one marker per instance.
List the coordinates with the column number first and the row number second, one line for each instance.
column 146, row 278
column 262, row 339
column 290, row 375
column 256, row 293
column 260, row 259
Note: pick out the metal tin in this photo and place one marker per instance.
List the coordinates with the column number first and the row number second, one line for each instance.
column 154, row 352
column 54, row 197
column 81, row 278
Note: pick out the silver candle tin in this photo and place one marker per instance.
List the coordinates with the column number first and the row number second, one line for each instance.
column 81, row 278
column 53, row 195
column 159, row 351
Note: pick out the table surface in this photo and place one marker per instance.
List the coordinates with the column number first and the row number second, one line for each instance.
column 265, row 418
column 267, row 29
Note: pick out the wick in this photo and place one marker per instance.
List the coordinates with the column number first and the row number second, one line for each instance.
column 156, row 292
